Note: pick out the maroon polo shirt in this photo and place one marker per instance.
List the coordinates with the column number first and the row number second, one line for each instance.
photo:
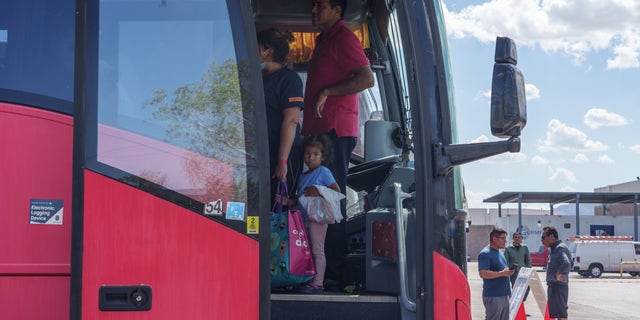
column 336, row 54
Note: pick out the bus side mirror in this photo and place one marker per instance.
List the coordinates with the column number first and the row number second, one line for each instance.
column 508, row 103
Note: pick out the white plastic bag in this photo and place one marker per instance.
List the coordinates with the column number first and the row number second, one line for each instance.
column 324, row 209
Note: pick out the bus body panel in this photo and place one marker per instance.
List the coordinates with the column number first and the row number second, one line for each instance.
column 196, row 268
column 35, row 153
column 36, row 297
column 453, row 303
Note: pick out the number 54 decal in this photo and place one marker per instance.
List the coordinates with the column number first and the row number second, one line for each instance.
column 213, row 208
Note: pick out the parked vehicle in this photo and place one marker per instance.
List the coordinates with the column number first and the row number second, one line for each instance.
column 540, row 258
column 594, row 257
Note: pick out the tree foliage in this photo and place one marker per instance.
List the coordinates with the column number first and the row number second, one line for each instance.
column 207, row 118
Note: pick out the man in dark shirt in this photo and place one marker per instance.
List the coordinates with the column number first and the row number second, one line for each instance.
column 558, row 269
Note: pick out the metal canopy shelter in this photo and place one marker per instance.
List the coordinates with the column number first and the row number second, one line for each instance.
column 553, row 198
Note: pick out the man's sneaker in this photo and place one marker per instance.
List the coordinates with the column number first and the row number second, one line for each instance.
column 311, row 288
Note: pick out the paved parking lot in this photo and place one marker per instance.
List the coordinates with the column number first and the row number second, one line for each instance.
column 609, row 297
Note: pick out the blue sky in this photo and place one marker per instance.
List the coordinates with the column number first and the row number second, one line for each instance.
column 581, row 64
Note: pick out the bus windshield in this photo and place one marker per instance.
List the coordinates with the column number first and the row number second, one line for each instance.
column 179, row 125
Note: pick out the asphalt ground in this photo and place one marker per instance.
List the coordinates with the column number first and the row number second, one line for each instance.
column 609, row 297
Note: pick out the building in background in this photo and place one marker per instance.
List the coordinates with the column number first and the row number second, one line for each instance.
column 482, row 220
column 595, row 219
column 617, row 209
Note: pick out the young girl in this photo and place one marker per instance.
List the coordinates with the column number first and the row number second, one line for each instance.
column 317, row 151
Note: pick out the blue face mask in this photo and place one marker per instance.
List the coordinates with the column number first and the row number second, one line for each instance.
column 262, row 63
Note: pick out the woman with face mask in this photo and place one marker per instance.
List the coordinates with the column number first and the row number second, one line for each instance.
column 284, row 100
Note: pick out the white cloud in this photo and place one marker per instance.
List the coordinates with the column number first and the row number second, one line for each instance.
column 474, row 199
column 575, row 27
column 532, row 91
column 596, row 118
column 539, row 161
column 605, row 159
column 580, row 158
column 560, row 137
column 563, row 175
column 626, row 53
column 635, row 147
column 485, row 94
column 480, row 139
column 567, row 189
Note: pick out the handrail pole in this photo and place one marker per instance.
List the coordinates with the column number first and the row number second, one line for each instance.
column 402, row 251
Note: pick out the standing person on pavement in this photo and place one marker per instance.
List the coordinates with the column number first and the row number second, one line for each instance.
column 558, row 268
column 493, row 269
column 337, row 71
column 517, row 254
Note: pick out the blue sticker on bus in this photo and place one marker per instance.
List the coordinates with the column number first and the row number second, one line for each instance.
column 45, row 211
column 235, row 211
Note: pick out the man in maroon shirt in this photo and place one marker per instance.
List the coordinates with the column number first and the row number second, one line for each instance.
column 338, row 70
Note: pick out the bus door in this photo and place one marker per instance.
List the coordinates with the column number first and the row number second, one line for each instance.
column 402, row 233
column 168, row 180
column 36, row 135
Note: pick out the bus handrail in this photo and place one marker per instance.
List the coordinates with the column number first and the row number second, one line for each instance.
column 402, row 251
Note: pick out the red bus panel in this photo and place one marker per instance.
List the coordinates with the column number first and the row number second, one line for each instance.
column 197, row 268
column 452, row 297
column 35, row 165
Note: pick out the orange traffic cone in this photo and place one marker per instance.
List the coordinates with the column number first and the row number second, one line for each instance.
column 521, row 315
column 546, row 314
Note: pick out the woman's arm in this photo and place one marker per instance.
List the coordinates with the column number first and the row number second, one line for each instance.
column 287, row 135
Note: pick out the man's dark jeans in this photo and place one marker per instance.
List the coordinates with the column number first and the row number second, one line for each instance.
column 335, row 244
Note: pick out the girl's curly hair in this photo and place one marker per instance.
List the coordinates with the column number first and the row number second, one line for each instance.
column 323, row 143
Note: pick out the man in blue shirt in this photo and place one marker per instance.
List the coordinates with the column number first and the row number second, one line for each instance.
column 495, row 274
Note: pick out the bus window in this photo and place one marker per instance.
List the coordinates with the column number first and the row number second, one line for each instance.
column 370, row 108
column 395, row 42
column 36, row 52
column 170, row 106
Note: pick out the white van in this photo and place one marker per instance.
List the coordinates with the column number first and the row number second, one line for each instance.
column 592, row 258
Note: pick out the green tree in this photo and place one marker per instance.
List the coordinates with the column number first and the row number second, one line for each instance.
column 207, row 118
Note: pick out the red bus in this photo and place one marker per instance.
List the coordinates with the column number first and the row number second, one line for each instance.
column 123, row 123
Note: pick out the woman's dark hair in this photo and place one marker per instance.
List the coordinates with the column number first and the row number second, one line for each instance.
column 278, row 41
column 321, row 141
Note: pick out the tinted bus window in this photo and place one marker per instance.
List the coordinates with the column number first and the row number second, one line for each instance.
column 36, row 50
column 170, row 108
